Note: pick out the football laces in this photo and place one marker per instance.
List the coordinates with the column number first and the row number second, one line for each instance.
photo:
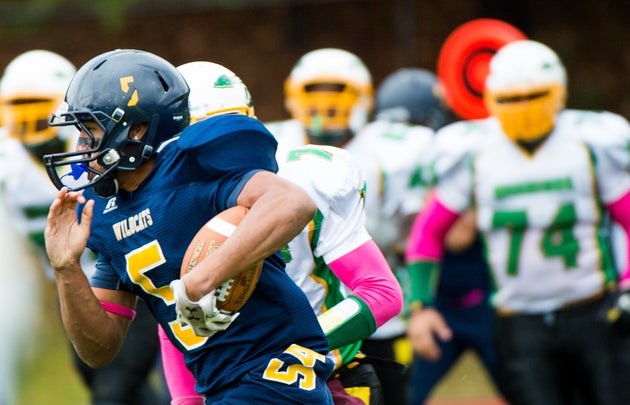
column 223, row 290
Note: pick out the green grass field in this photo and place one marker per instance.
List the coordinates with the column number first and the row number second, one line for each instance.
column 47, row 376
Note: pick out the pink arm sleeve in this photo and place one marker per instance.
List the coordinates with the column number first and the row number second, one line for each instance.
column 366, row 272
column 179, row 379
column 426, row 239
column 620, row 213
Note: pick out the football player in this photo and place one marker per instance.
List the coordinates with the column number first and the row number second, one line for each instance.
column 334, row 260
column 32, row 86
column 413, row 96
column 542, row 179
column 139, row 186
column 329, row 95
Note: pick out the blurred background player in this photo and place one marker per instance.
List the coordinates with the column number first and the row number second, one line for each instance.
column 32, row 86
column 329, row 95
column 18, row 267
column 530, row 171
column 343, row 273
column 406, row 98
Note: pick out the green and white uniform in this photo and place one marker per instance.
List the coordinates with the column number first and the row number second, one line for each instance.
column 542, row 215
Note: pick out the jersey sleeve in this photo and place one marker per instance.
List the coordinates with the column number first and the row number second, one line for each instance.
column 608, row 137
column 338, row 190
column 451, row 162
column 344, row 195
column 106, row 277
column 230, row 142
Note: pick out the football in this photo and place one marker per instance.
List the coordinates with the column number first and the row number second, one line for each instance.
column 232, row 294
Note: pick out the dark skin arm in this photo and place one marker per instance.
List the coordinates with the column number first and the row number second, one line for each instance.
column 279, row 210
column 95, row 333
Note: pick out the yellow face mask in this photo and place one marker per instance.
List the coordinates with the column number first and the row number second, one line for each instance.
column 324, row 106
column 526, row 115
column 26, row 119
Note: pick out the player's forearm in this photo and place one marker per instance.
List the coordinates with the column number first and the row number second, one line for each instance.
column 368, row 275
column 93, row 334
column 347, row 322
column 272, row 221
column 425, row 248
column 620, row 213
column 428, row 233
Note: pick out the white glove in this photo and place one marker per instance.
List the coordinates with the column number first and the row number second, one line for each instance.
column 203, row 316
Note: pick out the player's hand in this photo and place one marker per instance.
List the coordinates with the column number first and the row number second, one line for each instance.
column 423, row 329
column 203, row 316
column 66, row 235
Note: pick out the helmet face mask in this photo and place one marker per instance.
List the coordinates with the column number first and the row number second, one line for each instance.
column 330, row 92
column 525, row 90
column 527, row 116
column 118, row 91
column 32, row 86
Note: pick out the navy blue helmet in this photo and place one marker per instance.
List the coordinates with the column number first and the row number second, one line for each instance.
column 412, row 95
column 118, row 90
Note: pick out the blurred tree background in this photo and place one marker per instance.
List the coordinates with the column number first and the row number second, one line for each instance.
column 261, row 39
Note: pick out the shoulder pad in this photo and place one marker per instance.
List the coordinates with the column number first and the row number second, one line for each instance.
column 229, row 142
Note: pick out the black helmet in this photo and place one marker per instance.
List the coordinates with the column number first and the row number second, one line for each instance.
column 118, row 90
column 412, row 95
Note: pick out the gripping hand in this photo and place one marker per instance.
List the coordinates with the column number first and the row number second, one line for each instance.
column 203, row 316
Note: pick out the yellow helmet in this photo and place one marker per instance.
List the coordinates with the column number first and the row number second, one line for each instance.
column 330, row 92
column 525, row 89
column 31, row 88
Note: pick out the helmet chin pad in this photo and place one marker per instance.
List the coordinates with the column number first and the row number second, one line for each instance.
column 106, row 185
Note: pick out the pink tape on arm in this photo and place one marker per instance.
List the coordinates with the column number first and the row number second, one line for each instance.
column 620, row 213
column 118, row 310
column 366, row 272
column 426, row 239
column 180, row 381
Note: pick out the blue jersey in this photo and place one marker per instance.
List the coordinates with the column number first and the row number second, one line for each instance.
column 141, row 237
column 464, row 271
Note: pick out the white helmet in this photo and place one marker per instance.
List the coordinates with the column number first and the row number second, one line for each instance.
column 525, row 89
column 215, row 89
column 32, row 87
column 330, row 91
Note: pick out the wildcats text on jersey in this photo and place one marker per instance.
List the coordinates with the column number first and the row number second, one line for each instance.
column 133, row 224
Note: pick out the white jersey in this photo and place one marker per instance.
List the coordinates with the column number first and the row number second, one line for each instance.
column 338, row 189
column 20, row 289
column 338, row 228
column 28, row 193
column 390, row 156
column 28, row 189
column 289, row 134
column 541, row 215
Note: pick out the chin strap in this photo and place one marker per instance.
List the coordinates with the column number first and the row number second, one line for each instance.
column 107, row 185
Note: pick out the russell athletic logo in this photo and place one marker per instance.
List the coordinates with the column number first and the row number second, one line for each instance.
column 111, row 205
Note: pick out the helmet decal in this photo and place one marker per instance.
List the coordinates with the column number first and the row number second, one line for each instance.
column 124, row 85
column 223, row 82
